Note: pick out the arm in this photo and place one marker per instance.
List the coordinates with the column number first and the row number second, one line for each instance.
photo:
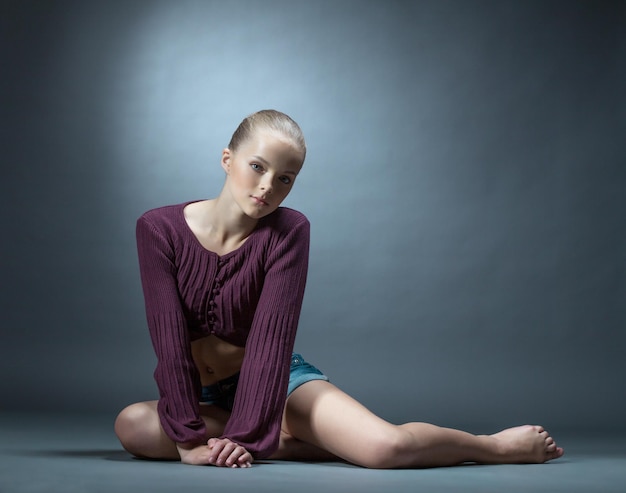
column 175, row 374
column 259, row 404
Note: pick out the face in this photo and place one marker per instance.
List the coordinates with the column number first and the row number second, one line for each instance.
column 261, row 173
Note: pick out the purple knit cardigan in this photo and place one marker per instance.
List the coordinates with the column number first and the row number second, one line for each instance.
column 250, row 297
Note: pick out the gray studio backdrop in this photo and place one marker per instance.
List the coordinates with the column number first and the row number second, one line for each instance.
column 465, row 182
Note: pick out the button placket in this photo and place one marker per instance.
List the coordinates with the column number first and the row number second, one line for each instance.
column 217, row 284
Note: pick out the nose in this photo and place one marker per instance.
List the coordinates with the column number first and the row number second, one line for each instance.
column 266, row 183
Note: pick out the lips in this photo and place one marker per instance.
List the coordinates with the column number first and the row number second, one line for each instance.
column 259, row 201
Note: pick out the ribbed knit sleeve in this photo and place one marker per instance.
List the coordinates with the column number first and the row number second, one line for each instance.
column 257, row 414
column 175, row 374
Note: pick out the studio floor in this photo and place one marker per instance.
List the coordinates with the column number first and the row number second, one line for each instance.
column 72, row 454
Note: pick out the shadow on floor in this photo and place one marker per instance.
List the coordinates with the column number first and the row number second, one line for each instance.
column 107, row 454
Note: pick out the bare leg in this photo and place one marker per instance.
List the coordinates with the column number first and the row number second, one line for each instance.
column 321, row 414
column 139, row 430
column 293, row 449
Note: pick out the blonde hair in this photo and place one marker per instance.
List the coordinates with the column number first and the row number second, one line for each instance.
column 271, row 120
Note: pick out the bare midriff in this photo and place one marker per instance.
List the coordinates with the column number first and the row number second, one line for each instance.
column 216, row 359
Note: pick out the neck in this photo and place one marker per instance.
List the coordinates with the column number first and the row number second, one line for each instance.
column 225, row 222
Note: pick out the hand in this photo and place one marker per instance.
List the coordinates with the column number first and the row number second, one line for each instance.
column 225, row 453
column 196, row 456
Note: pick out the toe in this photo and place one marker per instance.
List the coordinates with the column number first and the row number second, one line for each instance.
column 554, row 454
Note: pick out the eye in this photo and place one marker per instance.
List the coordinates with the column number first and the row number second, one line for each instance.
column 285, row 179
column 256, row 167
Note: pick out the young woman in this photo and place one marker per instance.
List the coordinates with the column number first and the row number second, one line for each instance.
column 223, row 281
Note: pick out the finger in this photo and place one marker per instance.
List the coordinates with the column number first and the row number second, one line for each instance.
column 220, row 450
column 235, row 455
column 226, row 452
column 245, row 460
column 216, row 449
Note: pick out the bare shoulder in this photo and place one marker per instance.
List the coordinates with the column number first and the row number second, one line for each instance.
column 195, row 214
column 194, row 211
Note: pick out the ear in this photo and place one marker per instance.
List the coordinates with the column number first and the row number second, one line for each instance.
column 226, row 158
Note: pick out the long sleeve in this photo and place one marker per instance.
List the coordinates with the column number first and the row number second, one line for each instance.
column 256, row 417
column 175, row 374
column 250, row 297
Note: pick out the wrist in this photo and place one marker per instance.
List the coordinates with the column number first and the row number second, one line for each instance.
column 185, row 452
column 186, row 447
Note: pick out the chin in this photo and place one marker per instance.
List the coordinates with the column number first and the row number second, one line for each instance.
column 260, row 213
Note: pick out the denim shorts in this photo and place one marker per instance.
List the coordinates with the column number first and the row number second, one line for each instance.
column 222, row 393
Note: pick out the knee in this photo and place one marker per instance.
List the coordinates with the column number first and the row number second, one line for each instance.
column 388, row 451
column 132, row 427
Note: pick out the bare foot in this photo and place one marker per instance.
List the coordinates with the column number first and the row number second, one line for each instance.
column 526, row 445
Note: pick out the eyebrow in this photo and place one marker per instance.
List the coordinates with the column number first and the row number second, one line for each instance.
column 264, row 161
